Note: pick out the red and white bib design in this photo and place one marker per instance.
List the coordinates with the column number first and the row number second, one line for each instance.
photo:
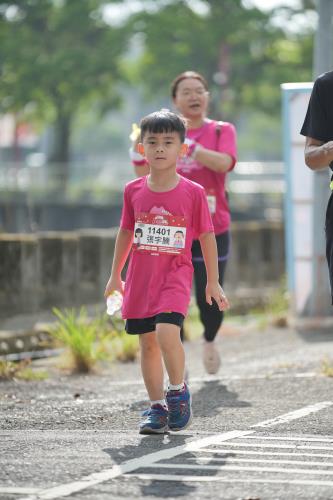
column 159, row 233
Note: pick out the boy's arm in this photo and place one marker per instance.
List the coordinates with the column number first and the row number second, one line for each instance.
column 213, row 288
column 121, row 251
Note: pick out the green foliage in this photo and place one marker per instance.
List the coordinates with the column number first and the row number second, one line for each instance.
column 21, row 371
column 242, row 53
column 125, row 347
column 86, row 339
column 57, row 56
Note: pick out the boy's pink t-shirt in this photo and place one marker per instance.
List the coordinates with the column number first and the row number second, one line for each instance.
column 213, row 182
column 159, row 275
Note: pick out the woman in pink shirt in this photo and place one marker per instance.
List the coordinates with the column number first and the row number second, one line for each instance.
column 211, row 155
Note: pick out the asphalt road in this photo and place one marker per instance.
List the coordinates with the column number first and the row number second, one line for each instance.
column 262, row 428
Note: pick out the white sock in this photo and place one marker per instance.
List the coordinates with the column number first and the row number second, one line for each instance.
column 178, row 387
column 161, row 402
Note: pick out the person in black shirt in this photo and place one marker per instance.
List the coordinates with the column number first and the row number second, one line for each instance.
column 318, row 130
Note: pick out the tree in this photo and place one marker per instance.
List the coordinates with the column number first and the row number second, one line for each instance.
column 58, row 56
column 241, row 52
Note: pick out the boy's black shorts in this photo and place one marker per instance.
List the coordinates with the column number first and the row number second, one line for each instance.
column 147, row 325
column 329, row 240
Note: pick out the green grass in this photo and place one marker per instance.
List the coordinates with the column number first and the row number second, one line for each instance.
column 21, row 371
column 125, row 347
column 86, row 339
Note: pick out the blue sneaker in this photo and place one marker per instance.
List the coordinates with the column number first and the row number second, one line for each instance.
column 154, row 421
column 180, row 410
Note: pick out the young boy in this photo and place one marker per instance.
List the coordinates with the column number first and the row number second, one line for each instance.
column 159, row 276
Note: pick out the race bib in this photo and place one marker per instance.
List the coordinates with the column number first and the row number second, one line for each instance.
column 159, row 234
column 211, row 199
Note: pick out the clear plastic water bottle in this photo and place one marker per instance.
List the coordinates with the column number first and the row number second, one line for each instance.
column 114, row 302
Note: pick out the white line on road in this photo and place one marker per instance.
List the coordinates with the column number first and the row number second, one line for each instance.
column 237, row 469
column 146, row 460
column 270, row 453
column 213, row 378
column 260, row 461
column 294, row 415
column 295, row 438
column 195, row 479
column 131, row 465
column 16, row 490
column 280, row 446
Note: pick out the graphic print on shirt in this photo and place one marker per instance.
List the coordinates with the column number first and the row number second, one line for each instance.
column 159, row 232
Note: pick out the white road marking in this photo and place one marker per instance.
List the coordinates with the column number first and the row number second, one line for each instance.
column 270, row 453
column 281, row 446
column 16, row 490
column 261, row 461
column 294, row 415
column 295, row 438
column 131, row 465
column 152, row 458
column 213, row 378
column 196, row 479
column 237, row 469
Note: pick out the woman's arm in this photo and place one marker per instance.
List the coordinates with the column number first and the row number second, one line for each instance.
column 218, row 162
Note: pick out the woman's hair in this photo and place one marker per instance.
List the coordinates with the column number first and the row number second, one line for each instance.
column 184, row 76
column 138, row 230
column 163, row 121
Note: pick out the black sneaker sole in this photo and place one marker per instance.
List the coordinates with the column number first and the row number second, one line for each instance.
column 149, row 430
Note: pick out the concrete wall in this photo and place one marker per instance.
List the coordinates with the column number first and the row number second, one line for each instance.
column 64, row 269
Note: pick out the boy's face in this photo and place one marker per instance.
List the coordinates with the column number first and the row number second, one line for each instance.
column 162, row 150
column 191, row 98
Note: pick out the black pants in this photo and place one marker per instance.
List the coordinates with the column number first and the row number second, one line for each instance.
column 211, row 317
column 329, row 240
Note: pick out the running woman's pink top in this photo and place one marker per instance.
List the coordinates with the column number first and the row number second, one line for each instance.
column 216, row 136
column 159, row 275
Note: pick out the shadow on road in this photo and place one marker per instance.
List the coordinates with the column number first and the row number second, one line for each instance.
column 163, row 488
column 312, row 335
column 214, row 395
column 211, row 396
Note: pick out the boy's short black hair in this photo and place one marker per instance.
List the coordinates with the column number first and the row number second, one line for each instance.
column 163, row 121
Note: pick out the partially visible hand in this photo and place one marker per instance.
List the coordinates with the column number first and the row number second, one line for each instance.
column 192, row 146
column 135, row 134
column 112, row 285
column 215, row 291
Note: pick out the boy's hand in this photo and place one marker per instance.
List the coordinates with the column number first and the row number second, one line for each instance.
column 112, row 285
column 215, row 291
